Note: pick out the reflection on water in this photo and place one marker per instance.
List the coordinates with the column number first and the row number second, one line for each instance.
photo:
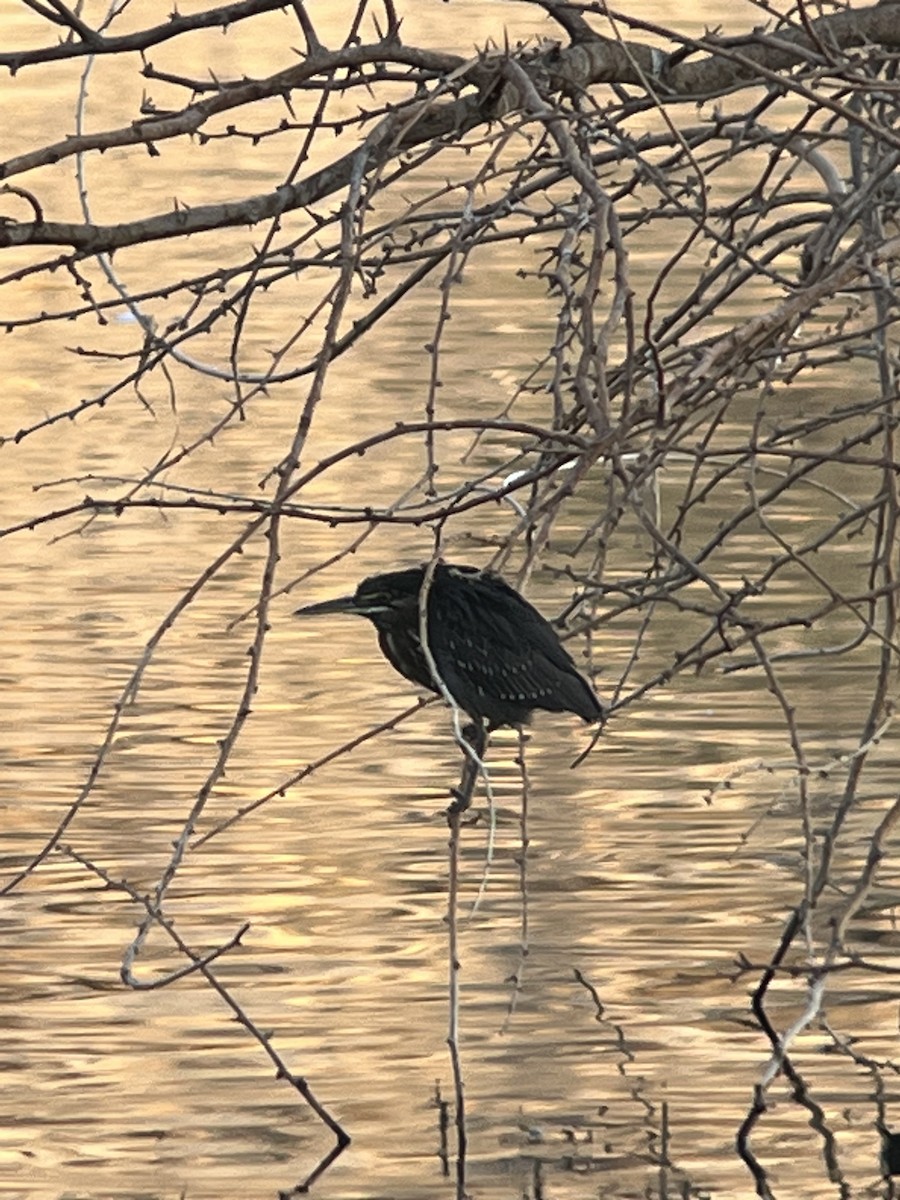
column 631, row 879
column 606, row 1037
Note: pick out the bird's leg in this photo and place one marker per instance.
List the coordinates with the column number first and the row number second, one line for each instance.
column 476, row 735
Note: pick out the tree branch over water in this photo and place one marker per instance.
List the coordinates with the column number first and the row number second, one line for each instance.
column 607, row 306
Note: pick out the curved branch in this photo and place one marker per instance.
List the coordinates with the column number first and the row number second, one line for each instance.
column 158, row 128
column 212, row 18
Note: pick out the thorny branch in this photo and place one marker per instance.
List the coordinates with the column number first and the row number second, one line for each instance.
column 699, row 439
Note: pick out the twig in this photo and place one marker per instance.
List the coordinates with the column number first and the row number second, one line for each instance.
column 454, row 818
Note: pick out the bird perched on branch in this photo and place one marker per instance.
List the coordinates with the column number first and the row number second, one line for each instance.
column 498, row 658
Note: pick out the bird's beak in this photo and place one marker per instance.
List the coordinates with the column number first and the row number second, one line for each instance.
column 341, row 604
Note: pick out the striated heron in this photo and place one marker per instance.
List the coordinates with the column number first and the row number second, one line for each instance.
column 498, row 657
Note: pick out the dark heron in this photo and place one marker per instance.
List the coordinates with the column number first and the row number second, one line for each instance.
column 497, row 656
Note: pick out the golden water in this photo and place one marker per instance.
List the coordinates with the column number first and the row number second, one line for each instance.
column 632, row 878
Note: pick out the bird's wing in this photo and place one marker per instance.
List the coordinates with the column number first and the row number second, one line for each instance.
column 508, row 619
column 486, row 636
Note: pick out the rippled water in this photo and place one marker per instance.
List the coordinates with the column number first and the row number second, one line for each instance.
column 644, row 878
